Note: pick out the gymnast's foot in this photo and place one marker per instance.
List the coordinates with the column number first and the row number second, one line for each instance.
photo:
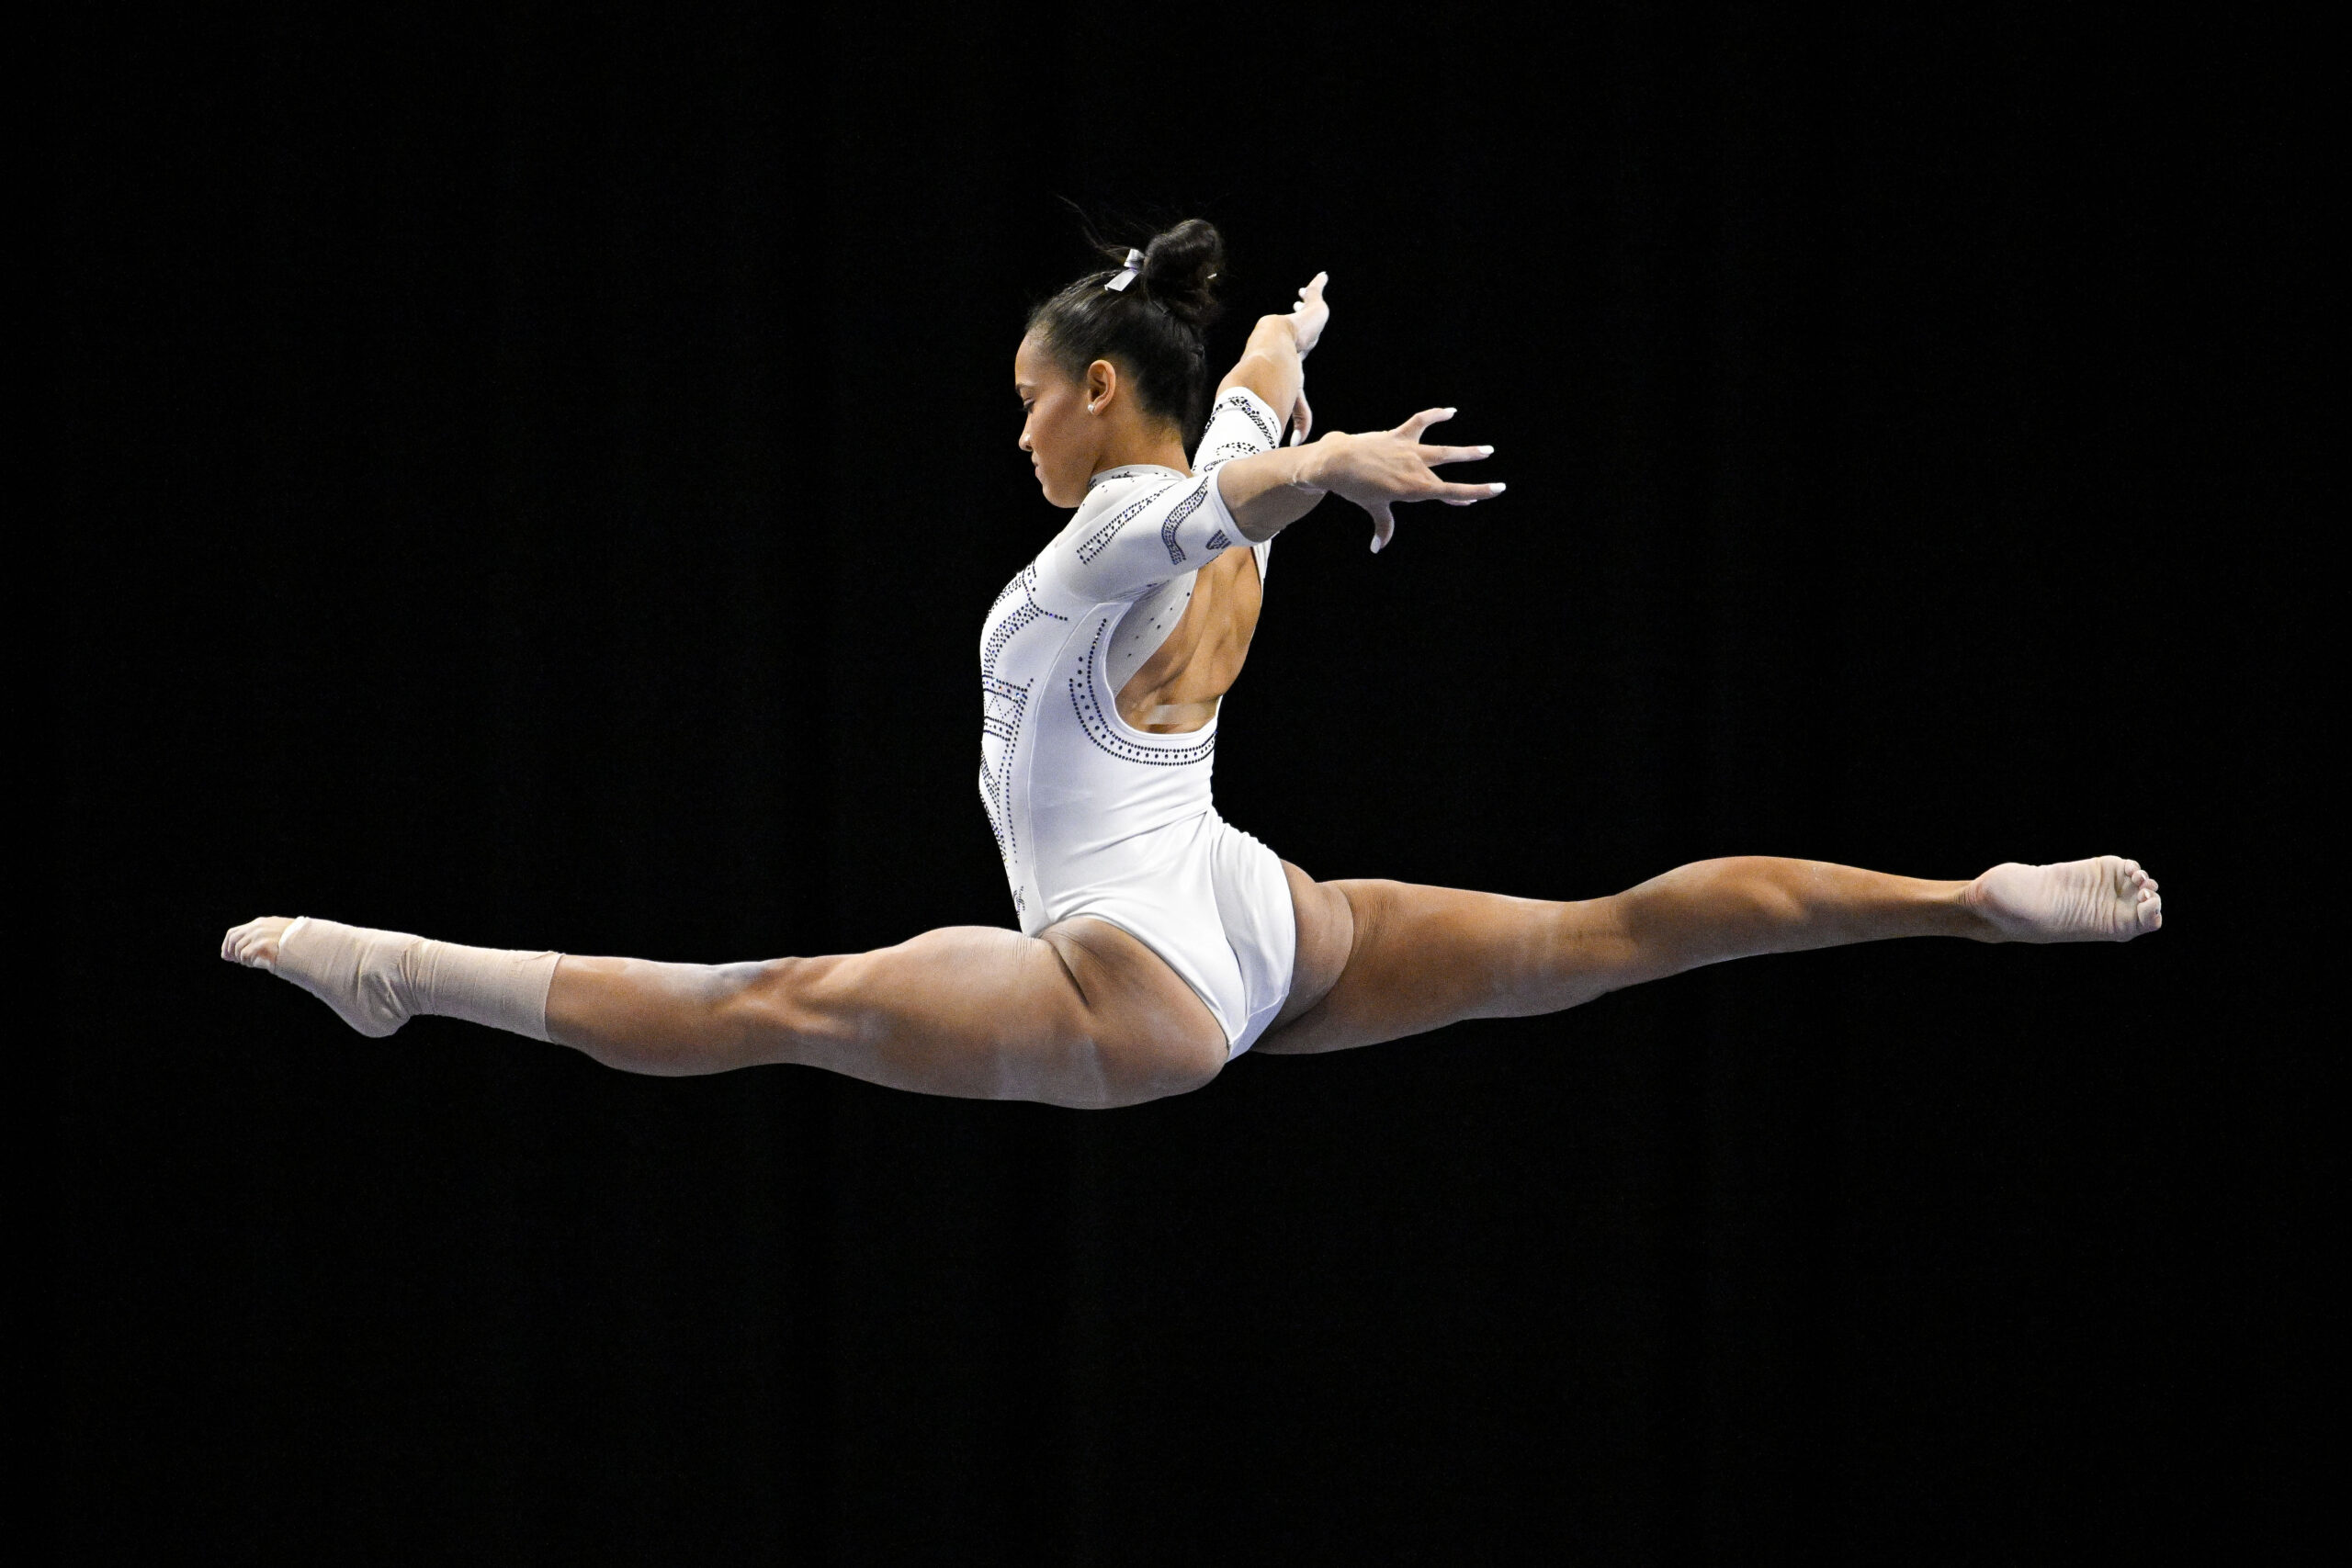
column 2102, row 899
column 376, row 981
column 357, row 972
column 255, row 943
column 334, row 970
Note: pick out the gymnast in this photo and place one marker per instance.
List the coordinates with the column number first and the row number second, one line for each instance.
column 1157, row 942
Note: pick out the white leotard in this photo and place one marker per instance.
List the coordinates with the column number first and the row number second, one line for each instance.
column 1094, row 817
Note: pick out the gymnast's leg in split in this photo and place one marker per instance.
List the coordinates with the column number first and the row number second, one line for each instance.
column 1083, row 1016
column 1381, row 960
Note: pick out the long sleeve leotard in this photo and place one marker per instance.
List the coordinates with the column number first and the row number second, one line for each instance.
column 1092, row 816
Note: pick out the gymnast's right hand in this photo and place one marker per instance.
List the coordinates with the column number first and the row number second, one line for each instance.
column 1377, row 471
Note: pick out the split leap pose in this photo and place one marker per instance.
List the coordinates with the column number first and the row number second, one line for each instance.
column 1157, row 943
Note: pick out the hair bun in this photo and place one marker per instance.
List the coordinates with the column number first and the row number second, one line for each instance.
column 1151, row 327
column 1180, row 269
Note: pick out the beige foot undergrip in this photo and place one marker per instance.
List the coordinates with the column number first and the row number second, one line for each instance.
column 376, row 981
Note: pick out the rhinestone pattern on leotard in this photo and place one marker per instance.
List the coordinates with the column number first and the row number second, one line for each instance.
column 1248, row 410
column 1094, row 543
column 1002, row 705
column 1176, row 516
column 1082, row 688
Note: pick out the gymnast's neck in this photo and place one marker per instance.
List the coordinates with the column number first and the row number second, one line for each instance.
column 1134, row 442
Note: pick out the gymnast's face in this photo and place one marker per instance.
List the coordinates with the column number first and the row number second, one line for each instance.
column 1067, row 425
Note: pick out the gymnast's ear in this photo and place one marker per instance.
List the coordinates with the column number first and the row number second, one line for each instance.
column 1102, row 381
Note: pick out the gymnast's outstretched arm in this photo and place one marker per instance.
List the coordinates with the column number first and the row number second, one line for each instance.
column 1268, row 492
column 1273, row 363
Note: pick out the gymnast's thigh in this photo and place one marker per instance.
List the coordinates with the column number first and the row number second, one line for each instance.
column 1083, row 1014
column 1395, row 958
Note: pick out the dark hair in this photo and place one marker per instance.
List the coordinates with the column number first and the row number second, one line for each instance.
column 1152, row 328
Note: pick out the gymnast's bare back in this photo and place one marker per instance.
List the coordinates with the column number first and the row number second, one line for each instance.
column 1085, row 1014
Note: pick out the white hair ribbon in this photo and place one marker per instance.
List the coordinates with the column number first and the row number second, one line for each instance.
column 1135, row 265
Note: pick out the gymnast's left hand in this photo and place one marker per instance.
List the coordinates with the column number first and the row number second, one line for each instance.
column 1377, row 471
column 1308, row 319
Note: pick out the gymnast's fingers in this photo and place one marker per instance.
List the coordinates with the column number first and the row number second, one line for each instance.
column 1383, row 525
column 1463, row 495
column 1411, row 429
column 1433, row 455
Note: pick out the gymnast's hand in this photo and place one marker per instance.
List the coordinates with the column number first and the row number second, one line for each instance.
column 1307, row 320
column 1377, row 471
column 1310, row 315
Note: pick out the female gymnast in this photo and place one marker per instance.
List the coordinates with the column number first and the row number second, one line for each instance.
column 1157, row 943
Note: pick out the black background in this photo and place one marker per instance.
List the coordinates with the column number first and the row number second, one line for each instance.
column 534, row 476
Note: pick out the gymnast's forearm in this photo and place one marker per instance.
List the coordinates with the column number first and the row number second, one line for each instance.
column 1270, row 365
column 1268, row 492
